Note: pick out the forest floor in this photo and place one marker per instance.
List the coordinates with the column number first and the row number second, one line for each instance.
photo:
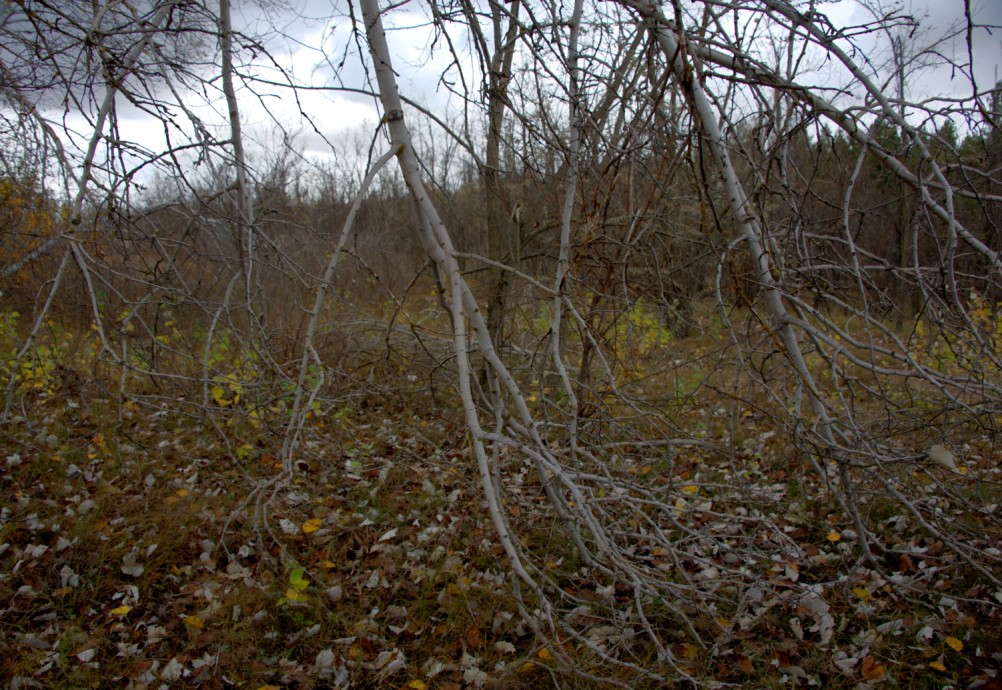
column 140, row 550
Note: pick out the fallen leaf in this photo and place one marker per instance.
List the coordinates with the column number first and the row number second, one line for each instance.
column 504, row 647
column 942, row 456
column 475, row 677
column 295, row 595
column 389, row 662
column 872, row 670
column 323, row 665
column 311, row 525
column 938, row 665
column 955, row 644
column 121, row 610
column 416, row 684
column 824, row 623
column 782, row 658
column 172, row 671
column 834, row 537
column 544, row 654
column 862, row 593
column 846, row 665
column 297, row 579
column 473, row 636
column 182, row 492
column 130, row 567
column 194, row 622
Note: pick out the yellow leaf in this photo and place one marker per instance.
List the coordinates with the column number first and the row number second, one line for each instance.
column 955, row 644
column 269, row 687
column 311, row 525
column 294, row 595
column 527, row 667
column 219, row 395
column 834, row 537
column 182, row 492
column 194, row 622
column 938, row 665
column 544, row 654
column 862, row 593
column 121, row 610
column 417, row 685
column 690, row 489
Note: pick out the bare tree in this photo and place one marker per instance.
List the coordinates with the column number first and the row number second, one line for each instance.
column 696, row 225
column 819, row 407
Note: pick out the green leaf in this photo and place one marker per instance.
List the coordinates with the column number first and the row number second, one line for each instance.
column 297, row 581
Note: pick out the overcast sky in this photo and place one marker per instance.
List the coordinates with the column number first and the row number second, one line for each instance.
column 419, row 74
column 310, row 44
column 939, row 19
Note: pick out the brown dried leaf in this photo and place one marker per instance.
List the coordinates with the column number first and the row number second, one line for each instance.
column 872, row 670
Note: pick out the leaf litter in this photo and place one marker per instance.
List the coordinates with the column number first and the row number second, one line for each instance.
column 128, row 559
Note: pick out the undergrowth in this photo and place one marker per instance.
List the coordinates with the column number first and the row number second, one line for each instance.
column 156, row 543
